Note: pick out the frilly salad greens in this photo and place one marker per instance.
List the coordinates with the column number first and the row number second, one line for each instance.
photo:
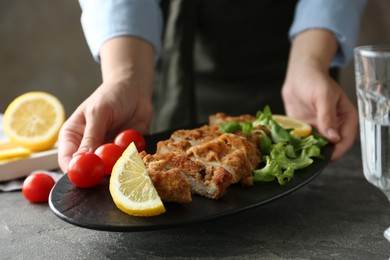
column 282, row 152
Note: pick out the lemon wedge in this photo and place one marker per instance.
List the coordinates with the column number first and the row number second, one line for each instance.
column 33, row 120
column 299, row 127
column 131, row 188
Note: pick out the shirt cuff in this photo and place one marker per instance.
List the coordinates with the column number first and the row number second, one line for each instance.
column 102, row 20
column 342, row 17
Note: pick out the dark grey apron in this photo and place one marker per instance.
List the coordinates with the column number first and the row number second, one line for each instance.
column 221, row 56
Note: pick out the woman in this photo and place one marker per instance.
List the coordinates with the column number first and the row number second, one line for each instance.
column 216, row 56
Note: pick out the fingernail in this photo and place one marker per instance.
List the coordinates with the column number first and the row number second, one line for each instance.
column 333, row 134
column 81, row 150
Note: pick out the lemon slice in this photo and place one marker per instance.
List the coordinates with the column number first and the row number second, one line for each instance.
column 10, row 151
column 131, row 188
column 299, row 127
column 33, row 120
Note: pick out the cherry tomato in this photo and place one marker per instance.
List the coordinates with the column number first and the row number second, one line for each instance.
column 36, row 187
column 124, row 138
column 86, row 170
column 109, row 153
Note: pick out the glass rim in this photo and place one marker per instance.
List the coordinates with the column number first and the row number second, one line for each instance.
column 382, row 50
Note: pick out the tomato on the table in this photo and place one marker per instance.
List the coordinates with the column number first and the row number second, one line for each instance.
column 124, row 138
column 86, row 170
column 109, row 153
column 36, row 187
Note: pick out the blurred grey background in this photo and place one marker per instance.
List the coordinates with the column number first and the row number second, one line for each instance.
column 42, row 48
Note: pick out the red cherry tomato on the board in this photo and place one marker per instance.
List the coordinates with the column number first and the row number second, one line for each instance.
column 109, row 153
column 36, row 187
column 124, row 138
column 86, row 170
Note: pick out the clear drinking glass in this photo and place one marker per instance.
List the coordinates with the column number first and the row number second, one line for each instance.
column 372, row 72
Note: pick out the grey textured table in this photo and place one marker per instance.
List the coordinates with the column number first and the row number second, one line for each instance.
column 337, row 216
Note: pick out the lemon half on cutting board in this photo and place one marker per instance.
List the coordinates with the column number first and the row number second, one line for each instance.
column 33, row 120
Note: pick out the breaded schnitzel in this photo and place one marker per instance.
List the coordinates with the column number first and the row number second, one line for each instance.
column 203, row 161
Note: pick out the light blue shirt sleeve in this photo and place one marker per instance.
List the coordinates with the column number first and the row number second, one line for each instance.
column 342, row 17
column 102, row 20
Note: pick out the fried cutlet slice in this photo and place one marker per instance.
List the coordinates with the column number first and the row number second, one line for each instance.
column 219, row 118
column 232, row 154
column 182, row 140
column 203, row 161
column 176, row 177
column 237, row 153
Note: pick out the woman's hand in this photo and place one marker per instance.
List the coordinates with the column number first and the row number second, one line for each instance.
column 122, row 101
column 310, row 94
column 316, row 98
column 111, row 108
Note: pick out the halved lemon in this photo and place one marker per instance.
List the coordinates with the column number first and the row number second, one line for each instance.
column 33, row 120
column 299, row 127
column 131, row 188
